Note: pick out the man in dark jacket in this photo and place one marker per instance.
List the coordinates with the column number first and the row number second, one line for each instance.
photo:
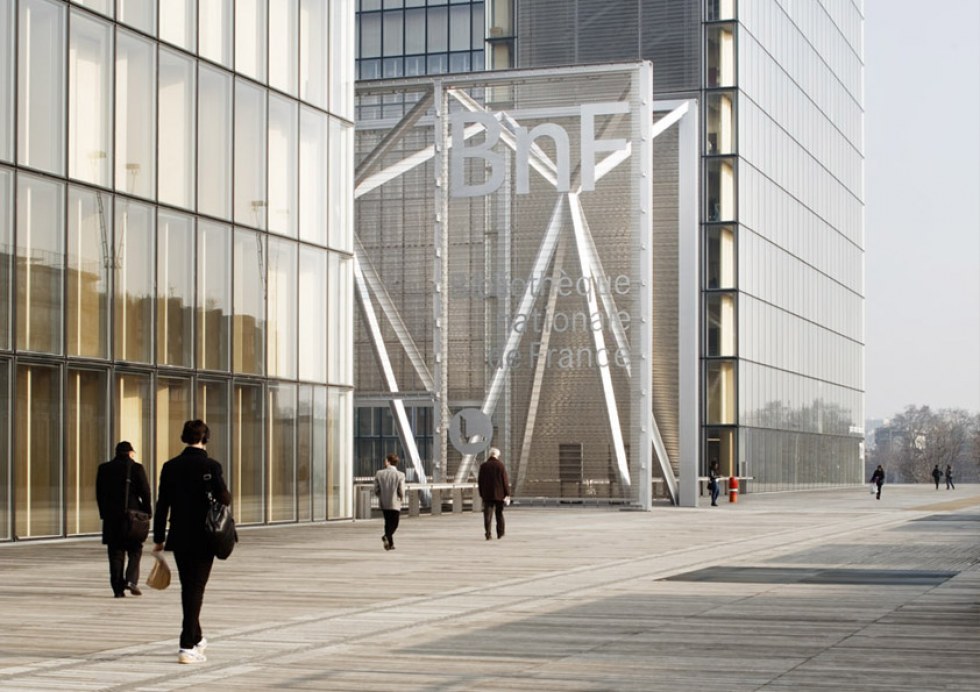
column 184, row 484
column 494, row 491
column 114, row 498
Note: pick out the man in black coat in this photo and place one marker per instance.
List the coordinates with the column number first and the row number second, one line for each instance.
column 114, row 499
column 494, row 491
column 184, row 484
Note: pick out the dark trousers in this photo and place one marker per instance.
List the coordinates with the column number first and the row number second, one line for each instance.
column 949, row 484
column 715, row 490
column 117, row 566
column 937, row 483
column 491, row 508
column 194, row 569
column 391, row 523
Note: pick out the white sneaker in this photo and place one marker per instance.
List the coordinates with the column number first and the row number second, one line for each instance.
column 191, row 656
column 201, row 645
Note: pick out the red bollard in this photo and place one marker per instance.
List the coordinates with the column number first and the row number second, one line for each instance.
column 733, row 489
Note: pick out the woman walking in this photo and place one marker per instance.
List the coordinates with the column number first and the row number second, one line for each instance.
column 878, row 479
column 185, row 482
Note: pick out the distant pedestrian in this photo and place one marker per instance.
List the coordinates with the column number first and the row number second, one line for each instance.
column 878, row 479
column 185, row 482
column 949, row 478
column 936, row 475
column 389, row 486
column 114, row 498
column 713, row 485
column 494, row 489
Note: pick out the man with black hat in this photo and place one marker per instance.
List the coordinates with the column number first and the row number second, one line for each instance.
column 120, row 485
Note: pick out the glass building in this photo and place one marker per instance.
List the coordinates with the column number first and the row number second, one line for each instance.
column 781, row 244
column 175, row 242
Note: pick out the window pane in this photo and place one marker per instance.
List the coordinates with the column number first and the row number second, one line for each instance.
column 89, row 259
column 319, row 451
column 7, row 84
column 283, row 161
column 339, row 466
column 720, row 325
column 341, row 192
column 283, row 30
column 246, row 461
column 393, row 44
column 177, row 117
column 40, row 263
column 341, row 48
column 86, row 411
column 132, row 404
column 140, row 14
column 105, row 7
column 282, row 308
column 175, row 288
column 414, row 31
column 215, row 18
column 438, row 38
column 314, row 46
column 41, row 86
column 37, row 453
column 214, row 143
column 89, row 99
column 282, row 453
column 6, row 252
column 134, row 287
column 459, row 27
column 250, row 38
column 178, row 23
column 250, row 155
column 135, row 115
column 212, row 408
column 721, row 392
column 313, row 176
column 340, row 344
column 4, row 456
column 213, row 296
column 249, row 292
column 304, row 451
column 476, row 31
column 173, row 407
column 721, row 258
column 370, row 36
column 313, row 308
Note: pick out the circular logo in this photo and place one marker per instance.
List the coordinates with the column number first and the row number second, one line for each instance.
column 470, row 431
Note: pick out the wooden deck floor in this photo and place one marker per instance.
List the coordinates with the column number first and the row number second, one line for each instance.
column 570, row 599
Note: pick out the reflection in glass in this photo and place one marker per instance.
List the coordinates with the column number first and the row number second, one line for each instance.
column 133, row 405
column 177, row 118
column 41, row 86
column 341, row 192
column 281, row 463
column 341, row 48
column 282, row 308
column 720, row 325
column 212, row 408
column 4, row 448
column 721, row 124
column 720, row 258
column 313, row 307
column 89, row 260
column 90, row 100
column 7, row 102
column 249, row 302
column 213, row 296
column 140, row 14
column 311, row 453
column 85, row 411
column 720, row 9
column 40, row 263
column 134, row 281
column 720, row 392
column 721, row 189
column 6, row 251
column 173, row 407
column 313, row 187
column 135, row 115
column 314, row 56
column 105, row 7
column 250, row 38
column 37, row 452
column 720, row 56
column 175, row 289
column 720, row 449
column 283, row 159
column 283, row 31
column 246, row 462
column 339, row 466
column 250, row 155
column 214, row 142
column 214, row 41
column 340, row 298
column 178, row 23
column 319, row 451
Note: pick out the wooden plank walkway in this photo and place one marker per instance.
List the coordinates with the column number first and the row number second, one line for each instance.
column 570, row 599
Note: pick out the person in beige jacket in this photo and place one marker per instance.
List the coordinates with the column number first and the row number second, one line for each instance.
column 389, row 486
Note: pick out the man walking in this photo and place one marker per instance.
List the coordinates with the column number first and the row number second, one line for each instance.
column 389, row 486
column 936, row 475
column 120, row 485
column 494, row 491
column 949, row 478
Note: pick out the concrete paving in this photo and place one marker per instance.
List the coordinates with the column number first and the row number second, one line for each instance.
column 815, row 590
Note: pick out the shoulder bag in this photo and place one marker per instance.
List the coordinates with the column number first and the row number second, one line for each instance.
column 136, row 523
column 219, row 525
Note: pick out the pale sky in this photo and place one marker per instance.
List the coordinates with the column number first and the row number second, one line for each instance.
column 922, row 240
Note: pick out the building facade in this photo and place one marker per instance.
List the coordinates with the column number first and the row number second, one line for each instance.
column 781, row 245
column 175, row 243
